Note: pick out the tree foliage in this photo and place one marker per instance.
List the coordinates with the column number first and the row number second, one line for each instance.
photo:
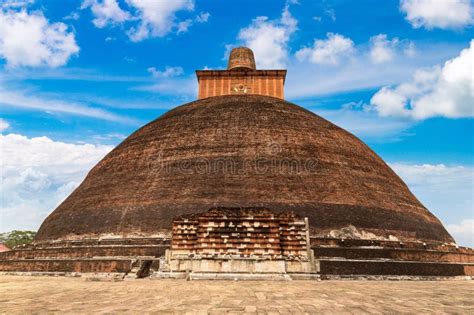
column 16, row 238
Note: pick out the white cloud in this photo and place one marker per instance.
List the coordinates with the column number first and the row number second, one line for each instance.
column 73, row 16
column 104, row 138
column 443, row 14
column 382, row 49
column 168, row 72
column 306, row 79
column 331, row 13
column 269, row 39
column 439, row 91
column 410, row 49
column 185, row 88
column 25, row 99
column 37, row 174
column 203, row 17
column 463, row 232
column 183, row 26
column 144, row 18
column 106, row 12
column 364, row 124
column 28, row 39
column 16, row 3
column 447, row 191
column 4, row 125
column 157, row 18
column 327, row 51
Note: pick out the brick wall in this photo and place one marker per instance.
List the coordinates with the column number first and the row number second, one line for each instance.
column 242, row 232
column 227, row 82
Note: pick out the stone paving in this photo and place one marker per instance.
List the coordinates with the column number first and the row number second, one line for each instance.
column 25, row 294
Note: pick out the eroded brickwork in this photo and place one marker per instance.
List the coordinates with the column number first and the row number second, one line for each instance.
column 243, row 232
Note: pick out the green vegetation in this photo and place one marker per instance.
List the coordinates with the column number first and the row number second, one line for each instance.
column 16, row 238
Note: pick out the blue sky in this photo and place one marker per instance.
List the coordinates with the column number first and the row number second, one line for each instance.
column 77, row 77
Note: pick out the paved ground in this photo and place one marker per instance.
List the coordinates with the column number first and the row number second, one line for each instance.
column 22, row 294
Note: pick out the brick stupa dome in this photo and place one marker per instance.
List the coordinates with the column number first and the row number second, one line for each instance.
column 200, row 155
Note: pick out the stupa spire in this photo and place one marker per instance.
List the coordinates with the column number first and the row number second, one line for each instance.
column 241, row 58
column 241, row 77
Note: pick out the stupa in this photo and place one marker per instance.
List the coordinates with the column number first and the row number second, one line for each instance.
column 242, row 182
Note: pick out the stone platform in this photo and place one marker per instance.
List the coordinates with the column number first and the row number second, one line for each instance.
column 20, row 295
column 333, row 258
column 355, row 257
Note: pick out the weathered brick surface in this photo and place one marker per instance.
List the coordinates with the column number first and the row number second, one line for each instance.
column 67, row 265
column 240, row 231
column 366, row 267
column 141, row 241
column 394, row 254
column 141, row 187
column 88, row 255
column 85, row 252
column 348, row 242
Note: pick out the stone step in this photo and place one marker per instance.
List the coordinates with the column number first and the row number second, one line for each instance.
column 393, row 268
column 338, row 242
column 239, row 276
column 85, row 252
column 403, row 254
column 67, row 265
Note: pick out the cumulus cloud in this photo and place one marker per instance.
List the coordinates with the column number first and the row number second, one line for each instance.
column 311, row 69
column 384, row 50
column 443, row 14
column 306, row 79
column 327, row 51
column 147, row 18
column 37, row 174
column 439, row 91
column 47, row 44
column 106, row 12
column 447, row 191
column 157, row 18
column 4, row 125
column 269, row 39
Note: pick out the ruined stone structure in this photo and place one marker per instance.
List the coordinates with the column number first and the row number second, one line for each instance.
column 241, row 232
column 240, row 240
column 242, row 182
